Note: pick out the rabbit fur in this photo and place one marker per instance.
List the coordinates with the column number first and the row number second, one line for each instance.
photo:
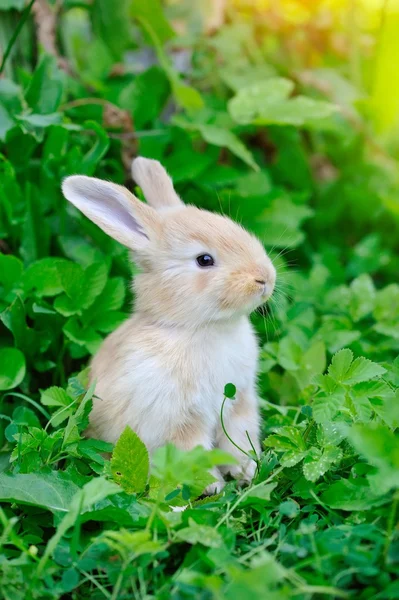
column 163, row 371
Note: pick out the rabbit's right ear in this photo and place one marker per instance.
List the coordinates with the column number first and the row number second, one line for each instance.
column 113, row 208
column 155, row 182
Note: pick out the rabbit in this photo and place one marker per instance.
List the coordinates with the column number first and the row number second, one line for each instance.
column 164, row 370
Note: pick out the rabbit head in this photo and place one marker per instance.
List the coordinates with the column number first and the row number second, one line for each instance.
column 197, row 267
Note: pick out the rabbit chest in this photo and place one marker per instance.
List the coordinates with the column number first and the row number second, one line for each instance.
column 158, row 380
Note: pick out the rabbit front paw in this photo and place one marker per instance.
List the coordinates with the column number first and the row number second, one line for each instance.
column 245, row 472
column 216, row 486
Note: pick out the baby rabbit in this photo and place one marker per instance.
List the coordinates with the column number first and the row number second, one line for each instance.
column 164, row 370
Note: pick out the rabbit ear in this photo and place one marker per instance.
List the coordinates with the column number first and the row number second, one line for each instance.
column 113, row 208
column 155, row 182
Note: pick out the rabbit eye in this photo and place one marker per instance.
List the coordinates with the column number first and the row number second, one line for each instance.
column 205, row 260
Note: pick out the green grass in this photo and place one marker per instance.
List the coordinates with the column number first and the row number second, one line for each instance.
column 307, row 173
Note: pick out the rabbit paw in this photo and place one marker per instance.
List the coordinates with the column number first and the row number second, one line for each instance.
column 245, row 472
column 216, row 486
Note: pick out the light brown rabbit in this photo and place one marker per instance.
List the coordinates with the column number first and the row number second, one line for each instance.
column 164, row 370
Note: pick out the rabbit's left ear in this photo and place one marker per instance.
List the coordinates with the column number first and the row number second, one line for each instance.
column 114, row 209
column 155, row 182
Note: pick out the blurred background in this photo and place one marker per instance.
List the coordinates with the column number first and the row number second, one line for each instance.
column 282, row 114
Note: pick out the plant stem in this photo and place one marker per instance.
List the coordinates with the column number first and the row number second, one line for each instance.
column 21, row 23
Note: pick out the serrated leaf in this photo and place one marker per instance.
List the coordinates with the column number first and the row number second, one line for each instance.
column 291, row 458
column 268, row 102
column 293, row 434
column 340, row 364
column 325, row 407
column 319, row 462
column 362, row 369
column 130, row 462
column 55, row 396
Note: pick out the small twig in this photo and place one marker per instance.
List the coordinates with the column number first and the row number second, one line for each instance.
column 45, row 17
column 85, row 101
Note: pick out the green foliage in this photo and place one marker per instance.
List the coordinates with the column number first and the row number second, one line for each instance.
column 246, row 125
column 130, row 462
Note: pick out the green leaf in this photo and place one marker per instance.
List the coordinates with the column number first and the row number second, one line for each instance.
column 289, row 354
column 130, row 462
column 289, row 508
column 6, row 123
column 227, row 139
column 45, row 90
column 14, row 318
column 83, row 336
column 351, row 495
column 36, row 230
column 291, row 458
column 8, row 4
column 325, row 407
column 387, row 304
column 109, row 300
column 293, row 434
column 71, row 277
column 268, row 102
column 187, row 97
column 12, row 369
column 260, row 492
column 111, row 25
column 132, row 544
column 52, row 491
column 380, row 446
column 94, row 491
column 93, row 156
column 145, row 96
column 362, row 369
column 362, row 299
column 11, row 269
column 43, row 277
column 200, row 534
column 172, row 467
column 108, row 322
column 318, row 462
column 95, row 278
column 340, row 364
column 230, row 390
column 55, row 396
column 33, row 120
column 151, row 11
column 238, row 77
